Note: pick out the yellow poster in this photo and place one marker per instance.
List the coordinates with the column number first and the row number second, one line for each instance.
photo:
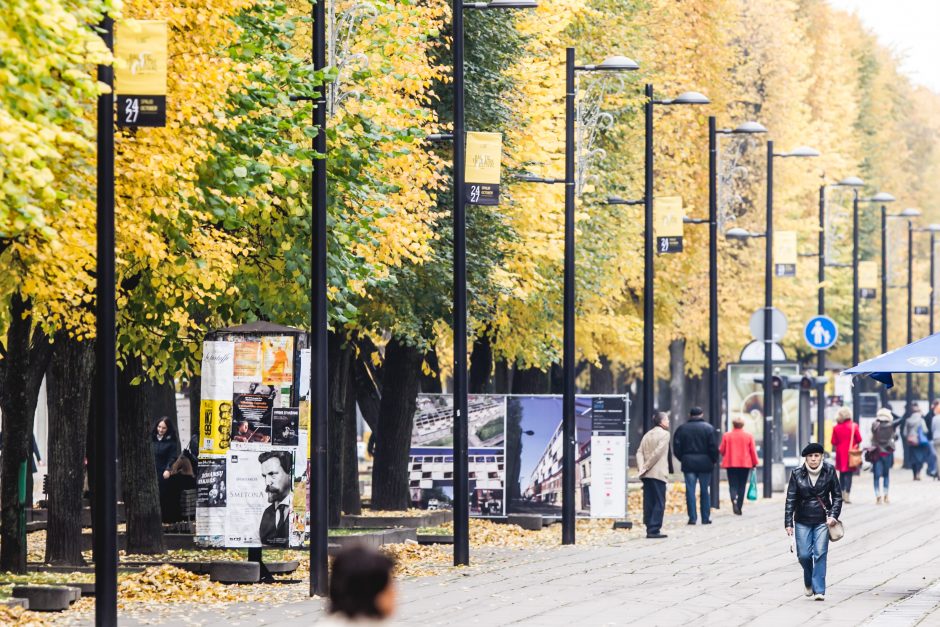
column 216, row 423
column 867, row 279
column 247, row 362
column 140, row 70
column 785, row 253
column 667, row 223
column 277, row 359
column 482, row 169
column 920, row 299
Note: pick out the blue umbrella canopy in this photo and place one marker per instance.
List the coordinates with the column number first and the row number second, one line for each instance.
column 922, row 356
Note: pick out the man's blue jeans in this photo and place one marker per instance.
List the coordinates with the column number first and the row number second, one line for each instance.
column 704, row 480
column 812, row 546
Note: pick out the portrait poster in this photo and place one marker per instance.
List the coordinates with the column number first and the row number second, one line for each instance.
column 218, row 370
column 247, row 361
column 215, row 422
column 259, row 497
column 277, row 359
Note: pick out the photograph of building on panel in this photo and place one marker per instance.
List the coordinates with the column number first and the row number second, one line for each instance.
column 434, row 421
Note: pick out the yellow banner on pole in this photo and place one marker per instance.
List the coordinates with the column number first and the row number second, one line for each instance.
column 785, row 253
column 867, row 279
column 920, row 299
column 667, row 223
column 140, row 51
column 482, row 171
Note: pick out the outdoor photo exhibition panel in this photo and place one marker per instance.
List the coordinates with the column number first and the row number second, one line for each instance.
column 254, row 420
column 515, row 454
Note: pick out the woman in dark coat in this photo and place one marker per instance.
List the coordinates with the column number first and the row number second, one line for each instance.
column 166, row 448
column 814, row 502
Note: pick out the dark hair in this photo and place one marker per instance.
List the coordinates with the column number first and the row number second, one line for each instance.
column 660, row 417
column 285, row 457
column 359, row 575
column 170, row 427
column 696, row 411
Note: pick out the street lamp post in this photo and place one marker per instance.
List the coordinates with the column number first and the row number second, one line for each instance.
column 649, row 384
column 909, row 392
column 738, row 233
column 461, row 469
column 884, row 198
column 932, row 229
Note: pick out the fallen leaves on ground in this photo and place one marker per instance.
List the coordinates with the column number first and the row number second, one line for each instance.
column 417, row 560
column 21, row 618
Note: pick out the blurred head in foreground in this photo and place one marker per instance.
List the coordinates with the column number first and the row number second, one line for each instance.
column 361, row 585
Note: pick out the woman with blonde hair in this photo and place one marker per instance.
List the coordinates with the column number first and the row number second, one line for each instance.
column 738, row 457
column 845, row 437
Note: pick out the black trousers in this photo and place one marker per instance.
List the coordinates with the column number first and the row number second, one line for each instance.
column 845, row 480
column 654, row 505
column 737, row 484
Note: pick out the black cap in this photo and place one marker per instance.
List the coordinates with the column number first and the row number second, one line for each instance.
column 696, row 411
column 813, row 447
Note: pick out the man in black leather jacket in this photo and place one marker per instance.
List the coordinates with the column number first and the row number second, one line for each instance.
column 696, row 446
column 814, row 502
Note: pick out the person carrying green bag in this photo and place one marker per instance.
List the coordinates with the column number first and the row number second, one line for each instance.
column 752, row 486
column 738, row 457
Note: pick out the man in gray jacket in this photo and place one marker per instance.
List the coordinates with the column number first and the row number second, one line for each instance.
column 654, row 462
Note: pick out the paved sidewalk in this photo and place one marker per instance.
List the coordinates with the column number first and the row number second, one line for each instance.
column 737, row 571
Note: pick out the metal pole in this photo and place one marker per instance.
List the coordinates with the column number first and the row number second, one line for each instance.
column 714, row 393
column 909, row 395
column 768, row 324
column 649, row 383
column 884, row 279
column 933, row 287
column 461, row 470
column 104, row 490
column 855, row 316
column 319, row 573
column 821, row 310
column 568, row 414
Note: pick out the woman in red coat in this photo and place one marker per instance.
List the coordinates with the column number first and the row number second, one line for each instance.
column 738, row 457
column 845, row 436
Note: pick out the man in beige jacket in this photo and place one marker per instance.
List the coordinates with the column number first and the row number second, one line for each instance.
column 654, row 462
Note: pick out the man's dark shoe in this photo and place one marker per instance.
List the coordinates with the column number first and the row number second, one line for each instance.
column 656, row 536
column 736, row 508
column 706, row 522
column 691, row 522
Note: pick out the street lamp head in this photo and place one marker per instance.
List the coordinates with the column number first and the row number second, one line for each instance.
column 934, row 228
column 617, row 200
column 802, row 151
column 690, row 98
column 617, row 63
column 851, row 181
column 910, row 212
column 738, row 233
column 883, row 197
column 749, row 128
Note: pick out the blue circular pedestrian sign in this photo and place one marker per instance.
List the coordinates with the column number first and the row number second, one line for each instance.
column 821, row 332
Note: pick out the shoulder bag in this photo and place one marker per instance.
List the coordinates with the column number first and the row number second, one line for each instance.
column 855, row 454
column 837, row 530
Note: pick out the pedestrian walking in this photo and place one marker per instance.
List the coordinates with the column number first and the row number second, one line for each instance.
column 166, row 449
column 917, row 443
column 738, row 458
column 846, row 437
column 933, row 421
column 654, row 463
column 696, row 446
column 814, row 502
column 362, row 589
column 881, row 453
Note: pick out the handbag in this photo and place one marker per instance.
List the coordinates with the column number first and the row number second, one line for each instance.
column 836, row 531
column 752, row 486
column 855, row 454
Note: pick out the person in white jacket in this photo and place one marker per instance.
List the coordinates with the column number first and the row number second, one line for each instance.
column 654, row 463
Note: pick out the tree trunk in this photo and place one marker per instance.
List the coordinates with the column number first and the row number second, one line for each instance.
column 481, row 366
column 678, row 406
column 530, row 381
column 340, row 356
column 602, row 377
column 396, row 419
column 136, row 417
column 368, row 383
column 26, row 357
column 502, row 377
column 195, row 398
column 431, row 383
column 352, row 504
column 69, row 382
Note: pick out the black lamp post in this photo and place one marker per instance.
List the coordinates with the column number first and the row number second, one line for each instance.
column 461, row 469
column 907, row 214
column 932, row 229
column 685, row 98
column 714, row 391
column 611, row 64
column 738, row 233
column 855, row 183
